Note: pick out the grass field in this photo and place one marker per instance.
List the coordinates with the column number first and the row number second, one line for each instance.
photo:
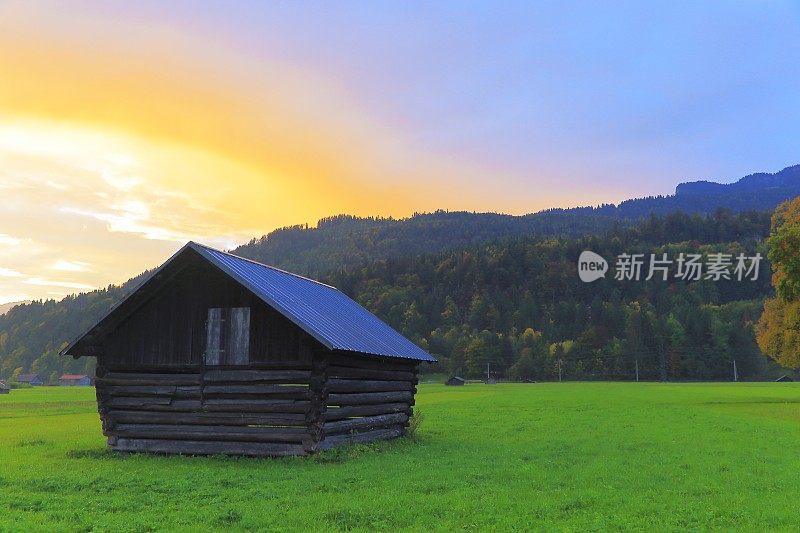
column 571, row 456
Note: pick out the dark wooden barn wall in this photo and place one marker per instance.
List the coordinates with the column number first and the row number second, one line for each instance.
column 366, row 399
column 243, row 412
column 169, row 329
column 289, row 409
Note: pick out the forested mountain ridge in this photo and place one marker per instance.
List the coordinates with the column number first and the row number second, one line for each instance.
column 344, row 246
column 514, row 302
column 519, row 305
column 345, row 241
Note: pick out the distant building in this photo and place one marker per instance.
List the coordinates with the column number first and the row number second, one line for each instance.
column 74, row 380
column 5, row 388
column 30, row 379
column 455, row 381
column 491, row 381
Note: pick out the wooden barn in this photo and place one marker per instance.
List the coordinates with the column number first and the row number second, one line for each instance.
column 455, row 381
column 214, row 353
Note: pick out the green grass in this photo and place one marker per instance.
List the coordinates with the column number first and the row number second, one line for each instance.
column 571, row 456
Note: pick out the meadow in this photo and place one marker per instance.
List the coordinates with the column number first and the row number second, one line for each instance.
column 553, row 456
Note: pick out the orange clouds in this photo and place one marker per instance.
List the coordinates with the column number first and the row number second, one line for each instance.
column 300, row 135
column 121, row 139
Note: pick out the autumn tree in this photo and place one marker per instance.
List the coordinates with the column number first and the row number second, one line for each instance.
column 778, row 330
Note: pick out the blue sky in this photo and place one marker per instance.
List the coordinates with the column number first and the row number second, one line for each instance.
column 640, row 95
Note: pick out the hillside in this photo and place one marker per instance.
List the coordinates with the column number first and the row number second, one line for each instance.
column 515, row 303
column 352, row 252
column 346, row 241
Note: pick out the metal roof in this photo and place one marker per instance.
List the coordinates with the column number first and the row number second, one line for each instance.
column 322, row 311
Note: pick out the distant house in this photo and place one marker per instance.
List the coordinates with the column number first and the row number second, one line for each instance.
column 455, row 381
column 74, row 380
column 5, row 388
column 784, row 379
column 491, row 381
column 30, row 379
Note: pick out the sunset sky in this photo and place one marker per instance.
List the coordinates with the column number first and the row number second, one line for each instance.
column 127, row 129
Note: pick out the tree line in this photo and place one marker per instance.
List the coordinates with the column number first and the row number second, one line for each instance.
column 515, row 303
column 519, row 306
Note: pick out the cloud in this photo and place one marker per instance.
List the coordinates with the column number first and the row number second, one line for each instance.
column 8, row 240
column 71, row 266
column 97, row 227
column 55, row 283
column 9, row 273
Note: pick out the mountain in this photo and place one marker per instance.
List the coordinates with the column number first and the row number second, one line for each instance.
column 773, row 186
column 347, row 250
column 483, row 298
column 5, row 308
column 346, row 241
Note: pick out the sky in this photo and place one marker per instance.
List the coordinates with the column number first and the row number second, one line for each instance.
column 129, row 128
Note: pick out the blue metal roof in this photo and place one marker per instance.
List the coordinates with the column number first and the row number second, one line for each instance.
column 324, row 312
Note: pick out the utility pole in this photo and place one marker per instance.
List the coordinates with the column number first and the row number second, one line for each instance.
column 487, row 372
column 637, row 371
column 735, row 373
column 559, row 370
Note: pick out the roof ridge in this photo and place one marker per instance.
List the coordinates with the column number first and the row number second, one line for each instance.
column 263, row 265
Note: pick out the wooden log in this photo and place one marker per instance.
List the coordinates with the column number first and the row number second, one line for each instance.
column 255, row 406
column 373, row 362
column 344, row 372
column 370, row 397
column 154, row 368
column 256, row 376
column 252, row 449
column 365, row 385
column 341, row 413
column 192, row 391
column 364, row 424
column 153, row 403
column 203, row 418
column 297, row 391
column 220, row 433
column 368, row 436
column 318, row 398
column 279, row 365
column 279, row 431
column 124, row 378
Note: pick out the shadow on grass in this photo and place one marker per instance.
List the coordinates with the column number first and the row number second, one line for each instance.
column 33, row 443
column 340, row 454
column 94, row 453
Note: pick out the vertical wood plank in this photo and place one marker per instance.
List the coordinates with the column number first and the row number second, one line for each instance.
column 213, row 334
column 239, row 336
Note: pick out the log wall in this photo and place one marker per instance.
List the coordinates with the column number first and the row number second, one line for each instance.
column 241, row 412
column 288, row 409
column 366, row 399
